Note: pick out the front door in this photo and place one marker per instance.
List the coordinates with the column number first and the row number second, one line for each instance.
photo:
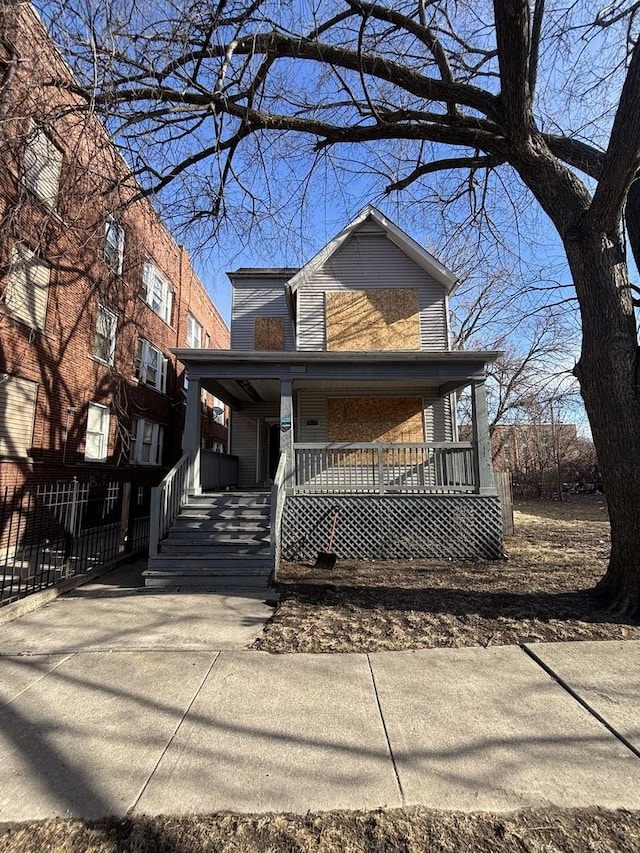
column 268, row 449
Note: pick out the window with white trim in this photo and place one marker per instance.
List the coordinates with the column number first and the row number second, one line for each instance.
column 27, row 287
column 113, row 244
column 97, row 439
column 18, row 404
column 194, row 332
column 151, row 366
column 104, row 341
column 157, row 291
column 42, row 163
column 147, row 439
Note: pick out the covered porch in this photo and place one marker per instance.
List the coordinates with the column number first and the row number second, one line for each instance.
column 282, row 403
column 296, row 421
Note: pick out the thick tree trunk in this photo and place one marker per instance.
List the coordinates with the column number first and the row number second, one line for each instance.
column 608, row 376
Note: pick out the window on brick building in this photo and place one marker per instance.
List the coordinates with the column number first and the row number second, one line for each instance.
column 158, row 292
column 18, row 403
column 194, row 332
column 42, row 163
column 147, row 439
column 151, row 366
column 97, row 438
column 27, row 287
column 104, row 341
column 113, row 244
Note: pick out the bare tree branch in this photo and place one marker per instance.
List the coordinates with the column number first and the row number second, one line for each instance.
column 622, row 160
column 536, row 31
column 441, row 165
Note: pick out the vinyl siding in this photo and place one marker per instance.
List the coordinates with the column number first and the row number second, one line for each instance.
column 244, row 439
column 312, row 406
column 257, row 299
column 370, row 261
column 437, row 418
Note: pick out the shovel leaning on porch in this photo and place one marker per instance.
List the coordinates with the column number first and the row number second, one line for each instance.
column 327, row 559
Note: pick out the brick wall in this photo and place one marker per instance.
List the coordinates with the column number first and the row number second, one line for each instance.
column 94, row 183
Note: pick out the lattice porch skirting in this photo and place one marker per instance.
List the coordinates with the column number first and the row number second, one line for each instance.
column 393, row 528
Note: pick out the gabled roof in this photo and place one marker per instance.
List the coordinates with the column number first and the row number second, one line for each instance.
column 406, row 244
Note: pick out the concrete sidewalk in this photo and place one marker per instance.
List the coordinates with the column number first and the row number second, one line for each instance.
column 115, row 702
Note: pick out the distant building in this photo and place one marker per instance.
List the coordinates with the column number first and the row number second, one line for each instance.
column 94, row 291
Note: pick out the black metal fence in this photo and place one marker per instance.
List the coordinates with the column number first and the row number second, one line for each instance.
column 52, row 532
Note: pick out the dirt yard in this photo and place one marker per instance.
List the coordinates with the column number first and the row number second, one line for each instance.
column 540, row 593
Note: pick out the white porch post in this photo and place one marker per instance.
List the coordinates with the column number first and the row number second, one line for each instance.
column 481, row 440
column 191, row 434
column 286, row 432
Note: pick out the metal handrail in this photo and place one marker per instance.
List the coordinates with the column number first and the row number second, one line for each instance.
column 166, row 499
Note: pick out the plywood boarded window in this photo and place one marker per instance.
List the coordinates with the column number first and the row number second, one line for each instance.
column 372, row 320
column 392, row 420
column 269, row 333
column 17, row 410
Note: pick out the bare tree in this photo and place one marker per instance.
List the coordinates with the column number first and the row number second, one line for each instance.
column 506, row 94
column 541, row 446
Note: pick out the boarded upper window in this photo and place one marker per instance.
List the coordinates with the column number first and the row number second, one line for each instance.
column 392, row 420
column 27, row 287
column 269, row 333
column 372, row 320
column 17, row 410
column 41, row 166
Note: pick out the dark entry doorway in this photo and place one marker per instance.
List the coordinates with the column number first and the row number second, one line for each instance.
column 274, row 449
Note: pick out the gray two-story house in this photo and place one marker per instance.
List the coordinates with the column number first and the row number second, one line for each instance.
column 342, row 390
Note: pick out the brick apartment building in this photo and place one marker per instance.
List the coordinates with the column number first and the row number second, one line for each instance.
column 94, row 291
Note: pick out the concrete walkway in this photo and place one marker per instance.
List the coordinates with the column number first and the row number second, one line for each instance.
column 115, row 701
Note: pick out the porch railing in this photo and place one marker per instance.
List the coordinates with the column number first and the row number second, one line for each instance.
column 166, row 499
column 277, row 508
column 432, row 468
column 217, row 470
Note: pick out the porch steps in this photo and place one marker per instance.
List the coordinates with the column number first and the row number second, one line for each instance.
column 219, row 541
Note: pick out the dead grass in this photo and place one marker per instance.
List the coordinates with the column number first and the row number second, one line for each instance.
column 393, row 831
column 541, row 593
